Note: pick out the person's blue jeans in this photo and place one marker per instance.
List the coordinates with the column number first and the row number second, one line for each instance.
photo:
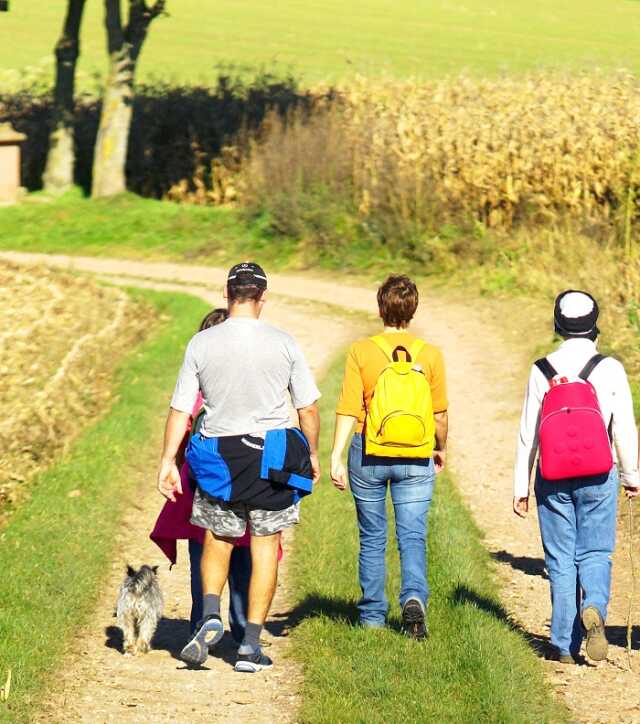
column 239, row 577
column 411, row 492
column 578, row 529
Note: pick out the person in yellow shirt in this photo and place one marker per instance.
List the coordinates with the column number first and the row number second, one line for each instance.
column 410, row 479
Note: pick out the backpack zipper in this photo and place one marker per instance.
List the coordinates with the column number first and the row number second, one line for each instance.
column 398, row 413
column 567, row 410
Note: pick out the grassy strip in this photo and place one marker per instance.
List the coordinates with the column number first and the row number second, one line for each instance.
column 55, row 550
column 474, row 667
column 131, row 226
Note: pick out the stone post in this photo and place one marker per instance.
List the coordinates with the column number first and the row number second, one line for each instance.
column 10, row 141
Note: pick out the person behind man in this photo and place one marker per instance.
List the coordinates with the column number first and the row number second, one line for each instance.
column 577, row 513
column 393, row 444
column 245, row 460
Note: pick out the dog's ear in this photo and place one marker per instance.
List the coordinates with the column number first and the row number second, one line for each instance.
column 131, row 571
column 155, row 569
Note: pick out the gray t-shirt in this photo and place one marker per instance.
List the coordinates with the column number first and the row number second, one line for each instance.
column 244, row 369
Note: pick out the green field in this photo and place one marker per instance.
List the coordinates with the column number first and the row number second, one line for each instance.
column 334, row 40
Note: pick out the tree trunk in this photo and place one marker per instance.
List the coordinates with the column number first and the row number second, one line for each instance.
column 110, row 153
column 58, row 174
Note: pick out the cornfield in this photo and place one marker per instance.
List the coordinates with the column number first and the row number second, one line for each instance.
column 492, row 151
column 62, row 336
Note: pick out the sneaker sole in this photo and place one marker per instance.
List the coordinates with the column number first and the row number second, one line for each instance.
column 197, row 650
column 597, row 645
column 246, row 667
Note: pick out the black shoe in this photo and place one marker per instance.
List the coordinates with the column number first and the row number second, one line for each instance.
column 208, row 632
column 597, row 645
column 413, row 620
column 253, row 662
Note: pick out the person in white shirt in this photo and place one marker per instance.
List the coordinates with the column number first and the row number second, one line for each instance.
column 577, row 516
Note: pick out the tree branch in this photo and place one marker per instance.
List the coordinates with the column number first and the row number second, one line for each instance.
column 158, row 8
column 113, row 23
column 140, row 17
column 67, row 51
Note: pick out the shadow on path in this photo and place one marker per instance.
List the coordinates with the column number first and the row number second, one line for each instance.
column 464, row 596
column 313, row 606
column 530, row 566
column 171, row 635
column 616, row 635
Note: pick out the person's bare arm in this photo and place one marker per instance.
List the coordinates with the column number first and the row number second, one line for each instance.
column 310, row 425
column 169, row 483
column 442, row 430
column 344, row 425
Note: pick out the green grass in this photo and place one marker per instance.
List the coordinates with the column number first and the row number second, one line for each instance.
column 56, row 548
column 130, row 226
column 474, row 667
column 334, row 40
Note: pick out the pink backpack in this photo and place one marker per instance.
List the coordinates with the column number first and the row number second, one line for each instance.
column 574, row 441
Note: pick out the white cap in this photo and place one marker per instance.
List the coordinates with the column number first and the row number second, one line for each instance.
column 576, row 304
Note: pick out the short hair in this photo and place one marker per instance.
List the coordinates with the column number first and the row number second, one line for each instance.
column 397, row 300
column 215, row 316
column 242, row 293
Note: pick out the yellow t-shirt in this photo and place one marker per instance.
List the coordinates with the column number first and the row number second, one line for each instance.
column 366, row 361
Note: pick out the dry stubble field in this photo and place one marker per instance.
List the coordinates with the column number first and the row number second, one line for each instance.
column 61, row 336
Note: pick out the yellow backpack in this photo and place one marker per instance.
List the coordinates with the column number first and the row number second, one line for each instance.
column 400, row 420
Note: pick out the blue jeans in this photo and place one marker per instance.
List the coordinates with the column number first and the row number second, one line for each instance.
column 411, row 493
column 578, row 528
column 239, row 576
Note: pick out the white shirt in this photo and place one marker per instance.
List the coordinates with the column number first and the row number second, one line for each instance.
column 614, row 395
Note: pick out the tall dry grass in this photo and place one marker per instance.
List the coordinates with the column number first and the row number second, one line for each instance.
column 517, row 185
column 495, row 152
column 538, row 264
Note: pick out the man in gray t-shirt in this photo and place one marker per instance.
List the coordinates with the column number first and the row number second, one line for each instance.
column 246, row 370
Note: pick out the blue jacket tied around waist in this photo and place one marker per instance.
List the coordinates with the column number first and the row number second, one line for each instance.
column 227, row 467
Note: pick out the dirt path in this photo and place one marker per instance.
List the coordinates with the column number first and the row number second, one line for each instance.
column 99, row 685
column 487, row 360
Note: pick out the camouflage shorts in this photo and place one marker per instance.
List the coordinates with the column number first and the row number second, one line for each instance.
column 230, row 520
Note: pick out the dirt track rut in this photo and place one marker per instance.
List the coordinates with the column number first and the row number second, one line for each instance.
column 487, row 366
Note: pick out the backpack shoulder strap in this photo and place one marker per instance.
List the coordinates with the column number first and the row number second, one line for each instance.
column 382, row 343
column 547, row 369
column 590, row 366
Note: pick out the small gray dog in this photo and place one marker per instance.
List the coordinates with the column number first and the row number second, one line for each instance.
column 139, row 609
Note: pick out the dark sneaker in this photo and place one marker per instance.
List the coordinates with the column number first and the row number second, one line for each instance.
column 253, row 662
column 554, row 655
column 597, row 644
column 413, row 620
column 208, row 632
